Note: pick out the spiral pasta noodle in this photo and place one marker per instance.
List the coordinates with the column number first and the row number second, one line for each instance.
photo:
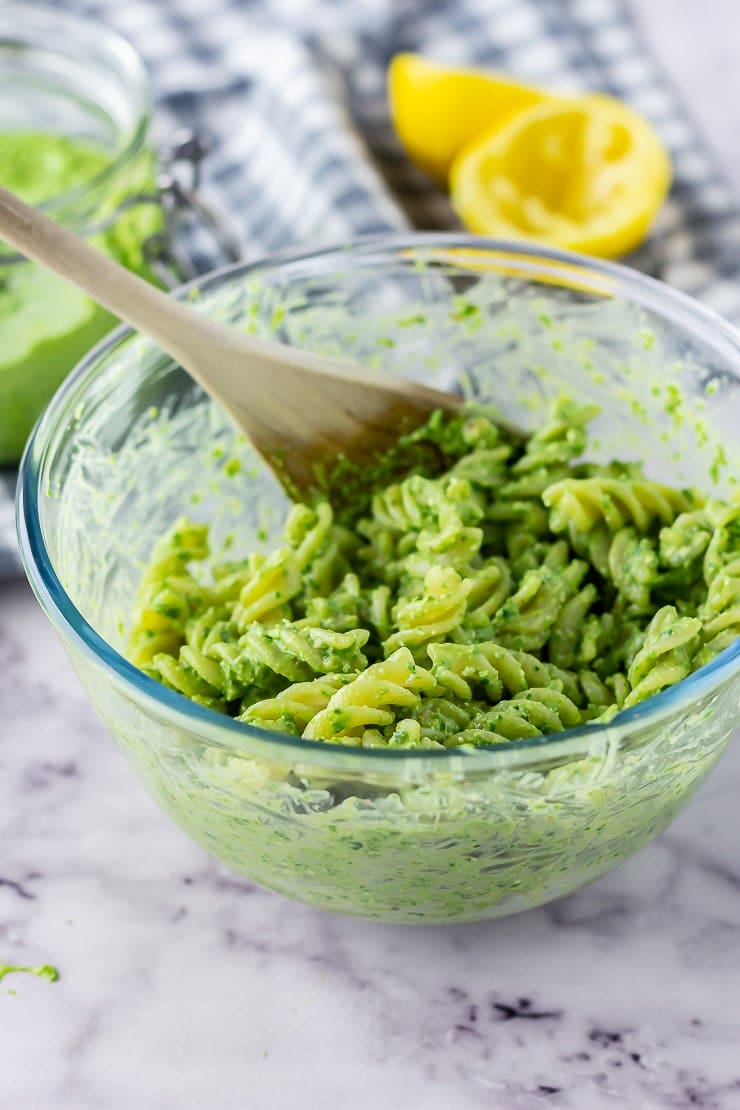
column 665, row 657
column 550, row 450
column 435, row 613
column 527, row 617
column 488, row 669
column 395, row 682
column 291, row 651
column 720, row 611
column 168, row 594
column 532, row 713
column 294, row 707
column 582, row 503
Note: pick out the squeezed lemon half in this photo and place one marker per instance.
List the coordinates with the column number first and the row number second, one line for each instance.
column 585, row 173
column 437, row 110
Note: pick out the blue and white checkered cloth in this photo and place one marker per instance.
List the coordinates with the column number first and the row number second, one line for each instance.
column 293, row 93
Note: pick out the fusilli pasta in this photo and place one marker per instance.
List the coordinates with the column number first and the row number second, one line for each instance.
column 501, row 590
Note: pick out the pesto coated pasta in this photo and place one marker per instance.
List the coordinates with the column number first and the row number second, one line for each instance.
column 500, row 590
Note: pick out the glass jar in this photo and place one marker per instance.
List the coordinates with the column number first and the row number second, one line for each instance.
column 61, row 75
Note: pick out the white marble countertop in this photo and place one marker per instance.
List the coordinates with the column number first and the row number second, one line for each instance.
column 184, row 986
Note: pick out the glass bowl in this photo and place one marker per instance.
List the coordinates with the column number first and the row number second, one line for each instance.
column 129, row 443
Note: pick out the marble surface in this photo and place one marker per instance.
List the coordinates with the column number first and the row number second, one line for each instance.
column 182, row 985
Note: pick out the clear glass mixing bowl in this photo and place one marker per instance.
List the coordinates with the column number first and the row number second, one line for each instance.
column 129, row 443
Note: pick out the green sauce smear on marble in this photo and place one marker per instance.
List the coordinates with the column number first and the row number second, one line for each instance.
column 43, row 971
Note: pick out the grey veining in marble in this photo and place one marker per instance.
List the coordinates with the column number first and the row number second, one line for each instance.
column 184, row 986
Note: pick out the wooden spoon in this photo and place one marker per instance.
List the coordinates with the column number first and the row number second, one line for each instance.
column 300, row 410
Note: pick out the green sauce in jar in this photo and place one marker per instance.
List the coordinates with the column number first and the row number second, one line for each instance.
column 39, row 166
column 47, row 325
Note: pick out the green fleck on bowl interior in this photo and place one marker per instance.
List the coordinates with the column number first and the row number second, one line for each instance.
column 129, row 444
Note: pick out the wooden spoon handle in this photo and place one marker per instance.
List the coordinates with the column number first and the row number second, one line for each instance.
column 189, row 337
column 127, row 296
column 296, row 406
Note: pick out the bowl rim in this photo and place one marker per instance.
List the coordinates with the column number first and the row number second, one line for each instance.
column 227, row 732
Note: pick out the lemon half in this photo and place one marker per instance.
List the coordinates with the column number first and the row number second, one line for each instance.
column 584, row 173
column 437, row 110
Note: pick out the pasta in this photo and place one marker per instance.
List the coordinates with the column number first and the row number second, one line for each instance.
column 370, row 698
column 720, row 611
column 578, row 504
column 665, row 656
column 501, row 590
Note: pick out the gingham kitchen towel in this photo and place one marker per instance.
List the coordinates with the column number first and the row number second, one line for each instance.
column 293, row 93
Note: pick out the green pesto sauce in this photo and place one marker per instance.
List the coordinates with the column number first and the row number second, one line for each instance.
column 39, row 166
column 48, row 325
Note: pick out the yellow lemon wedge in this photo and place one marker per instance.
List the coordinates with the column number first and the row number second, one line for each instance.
column 437, row 109
column 584, row 173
